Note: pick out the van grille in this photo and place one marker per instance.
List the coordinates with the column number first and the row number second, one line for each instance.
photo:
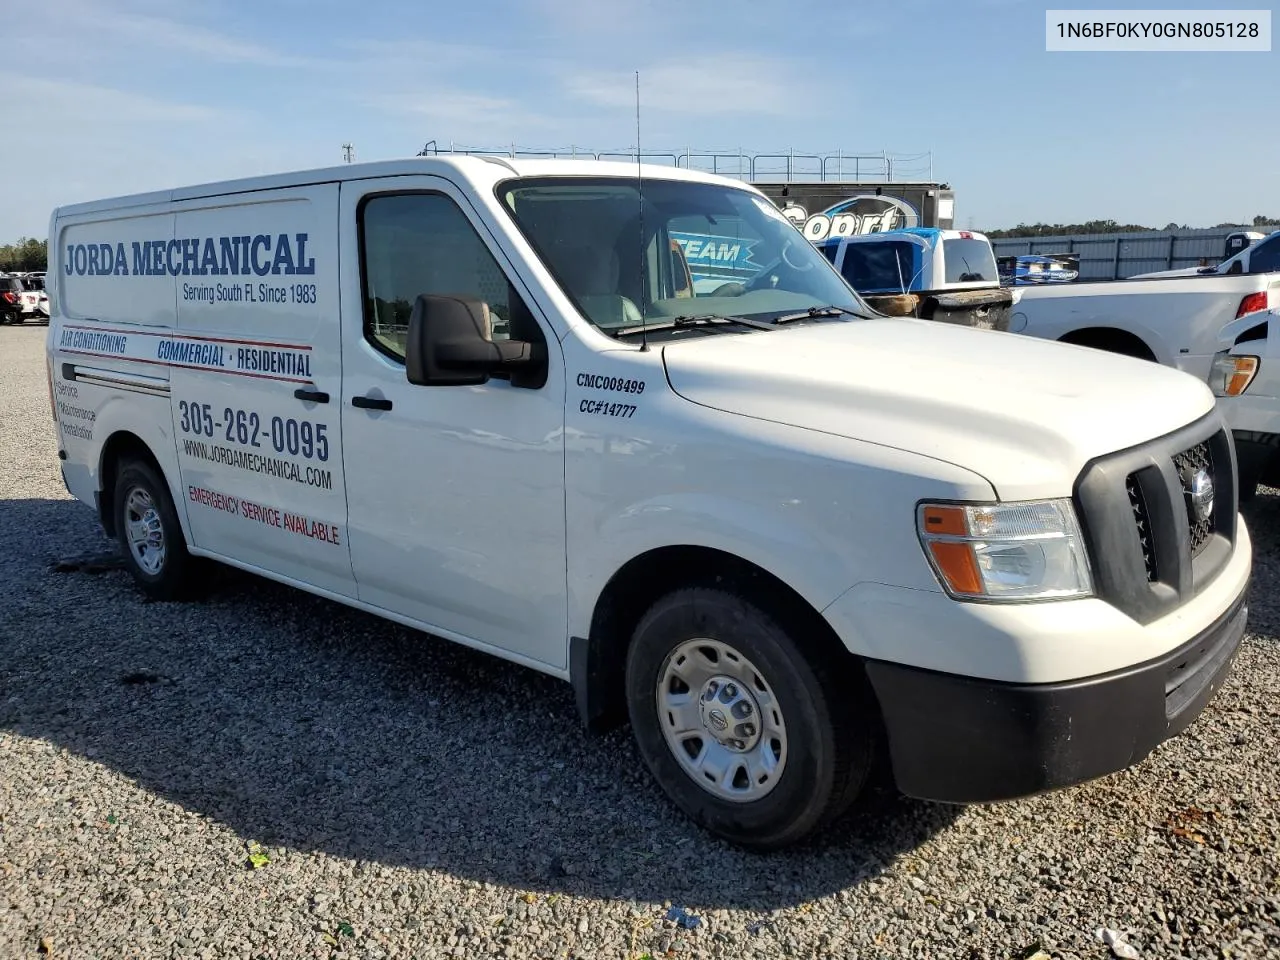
column 1142, row 521
column 1148, row 546
column 1188, row 463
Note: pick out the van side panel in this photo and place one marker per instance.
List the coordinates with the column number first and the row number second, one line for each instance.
column 105, row 310
column 257, row 322
column 113, row 267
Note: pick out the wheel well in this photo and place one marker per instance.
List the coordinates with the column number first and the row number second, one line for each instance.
column 1111, row 340
column 598, row 663
column 120, row 446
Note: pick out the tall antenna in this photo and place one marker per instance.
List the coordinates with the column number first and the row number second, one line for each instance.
column 348, row 152
column 644, row 331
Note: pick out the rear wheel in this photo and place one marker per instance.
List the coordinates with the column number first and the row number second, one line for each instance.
column 1248, row 490
column 1112, row 341
column 150, row 535
column 743, row 730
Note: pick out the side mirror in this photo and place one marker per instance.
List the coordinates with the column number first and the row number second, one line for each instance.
column 451, row 343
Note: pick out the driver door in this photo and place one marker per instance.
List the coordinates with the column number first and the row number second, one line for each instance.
column 457, row 507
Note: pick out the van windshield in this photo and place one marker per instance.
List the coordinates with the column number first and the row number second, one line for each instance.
column 694, row 249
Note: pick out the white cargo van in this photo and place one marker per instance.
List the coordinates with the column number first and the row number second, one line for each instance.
column 775, row 532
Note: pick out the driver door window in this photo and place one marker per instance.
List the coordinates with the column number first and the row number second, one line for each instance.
column 423, row 243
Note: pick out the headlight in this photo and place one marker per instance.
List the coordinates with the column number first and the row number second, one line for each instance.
column 1232, row 375
column 1006, row 551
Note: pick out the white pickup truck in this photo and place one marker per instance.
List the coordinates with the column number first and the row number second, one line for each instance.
column 1173, row 319
column 1246, row 379
column 1262, row 257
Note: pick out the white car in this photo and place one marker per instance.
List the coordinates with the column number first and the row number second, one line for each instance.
column 778, row 535
column 35, row 300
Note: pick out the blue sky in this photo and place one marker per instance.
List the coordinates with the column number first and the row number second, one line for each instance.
column 129, row 95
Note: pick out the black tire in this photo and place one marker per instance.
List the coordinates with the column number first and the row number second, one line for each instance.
column 827, row 708
column 174, row 577
column 1248, row 491
column 1112, row 341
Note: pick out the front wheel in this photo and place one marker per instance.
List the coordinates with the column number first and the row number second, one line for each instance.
column 735, row 722
column 150, row 535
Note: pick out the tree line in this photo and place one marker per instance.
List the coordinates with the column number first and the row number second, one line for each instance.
column 1260, row 222
column 25, row 256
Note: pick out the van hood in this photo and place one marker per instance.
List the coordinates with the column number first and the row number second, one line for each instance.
column 1026, row 414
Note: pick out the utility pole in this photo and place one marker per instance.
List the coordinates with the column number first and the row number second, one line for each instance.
column 348, row 152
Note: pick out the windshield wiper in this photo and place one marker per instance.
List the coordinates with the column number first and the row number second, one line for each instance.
column 817, row 313
column 697, row 320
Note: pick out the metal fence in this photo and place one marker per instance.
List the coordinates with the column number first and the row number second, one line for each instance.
column 788, row 165
column 1114, row 256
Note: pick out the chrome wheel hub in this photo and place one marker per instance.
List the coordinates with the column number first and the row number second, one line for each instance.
column 729, row 713
column 144, row 531
column 721, row 720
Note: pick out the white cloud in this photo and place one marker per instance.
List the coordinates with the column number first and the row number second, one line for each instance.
column 467, row 117
column 722, row 83
column 61, row 101
column 470, row 94
column 97, row 141
column 623, row 19
column 184, row 38
column 83, row 26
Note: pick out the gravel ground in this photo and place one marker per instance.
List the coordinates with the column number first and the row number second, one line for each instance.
column 415, row 799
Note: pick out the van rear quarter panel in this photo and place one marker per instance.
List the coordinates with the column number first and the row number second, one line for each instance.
column 97, row 302
column 227, row 303
column 101, row 270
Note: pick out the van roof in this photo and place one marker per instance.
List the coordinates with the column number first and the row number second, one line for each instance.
column 483, row 172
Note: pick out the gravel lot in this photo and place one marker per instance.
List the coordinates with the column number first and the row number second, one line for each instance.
column 416, row 799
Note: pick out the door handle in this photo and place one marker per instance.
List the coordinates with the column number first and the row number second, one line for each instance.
column 311, row 396
column 371, row 403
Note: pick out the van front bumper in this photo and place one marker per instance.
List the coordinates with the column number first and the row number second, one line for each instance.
column 962, row 739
